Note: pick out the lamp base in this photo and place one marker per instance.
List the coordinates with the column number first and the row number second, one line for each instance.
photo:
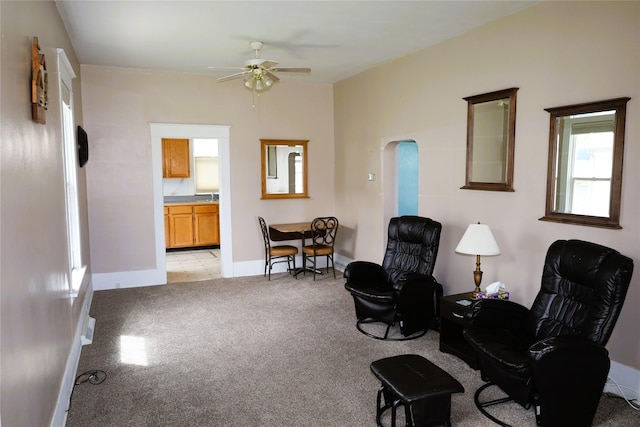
column 477, row 278
column 476, row 293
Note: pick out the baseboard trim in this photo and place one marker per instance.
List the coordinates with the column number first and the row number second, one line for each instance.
column 342, row 262
column 127, row 279
column 255, row 268
column 625, row 376
column 134, row 279
column 60, row 413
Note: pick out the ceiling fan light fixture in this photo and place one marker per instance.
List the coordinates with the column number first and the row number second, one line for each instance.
column 257, row 72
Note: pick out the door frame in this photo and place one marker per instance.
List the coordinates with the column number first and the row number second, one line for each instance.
column 221, row 133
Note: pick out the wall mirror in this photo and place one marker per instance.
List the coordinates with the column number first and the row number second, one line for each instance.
column 584, row 173
column 284, row 168
column 491, row 134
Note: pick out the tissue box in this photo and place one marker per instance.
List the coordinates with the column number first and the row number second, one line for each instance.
column 498, row 295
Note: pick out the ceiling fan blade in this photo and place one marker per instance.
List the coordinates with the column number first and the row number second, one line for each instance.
column 291, row 70
column 268, row 64
column 272, row 76
column 226, row 68
column 232, row 76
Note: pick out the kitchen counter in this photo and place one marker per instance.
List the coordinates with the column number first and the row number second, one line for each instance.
column 191, row 199
column 191, row 203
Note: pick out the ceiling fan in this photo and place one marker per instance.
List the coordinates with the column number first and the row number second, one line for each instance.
column 258, row 73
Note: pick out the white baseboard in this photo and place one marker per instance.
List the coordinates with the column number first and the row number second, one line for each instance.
column 127, row 279
column 342, row 262
column 255, row 268
column 133, row 279
column 60, row 413
column 626, row 377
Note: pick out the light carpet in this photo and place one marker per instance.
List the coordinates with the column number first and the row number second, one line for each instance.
column 250, row 352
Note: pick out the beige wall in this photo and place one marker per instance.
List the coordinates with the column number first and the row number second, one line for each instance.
column 557, row 53
column 119, row 104
column 39, row 319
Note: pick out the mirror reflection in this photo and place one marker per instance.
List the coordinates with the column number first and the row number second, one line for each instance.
column 585, row 163
column 491, row 140
column 284, row 168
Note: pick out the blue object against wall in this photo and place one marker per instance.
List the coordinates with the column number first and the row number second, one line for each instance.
column 407, row 173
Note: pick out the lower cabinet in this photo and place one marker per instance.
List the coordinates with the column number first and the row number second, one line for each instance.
column 192, row 225
column 206, row 225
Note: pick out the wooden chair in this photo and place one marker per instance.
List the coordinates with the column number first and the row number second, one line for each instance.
column 323, row 237
column 276, row 254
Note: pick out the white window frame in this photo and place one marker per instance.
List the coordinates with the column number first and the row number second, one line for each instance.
column 70, row 163
column 601, row 122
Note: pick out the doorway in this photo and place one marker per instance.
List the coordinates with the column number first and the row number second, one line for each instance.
column 221, row 133
column 407, row 178
column 193, row 265
column 400, row 184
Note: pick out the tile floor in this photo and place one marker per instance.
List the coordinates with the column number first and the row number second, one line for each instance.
column 193, row 265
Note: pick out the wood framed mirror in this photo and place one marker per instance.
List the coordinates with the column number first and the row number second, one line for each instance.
column 584, row 172
column 284, row 168
column 491, row 134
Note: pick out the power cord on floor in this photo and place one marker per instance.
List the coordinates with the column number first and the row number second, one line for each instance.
column 95, row 377
column 635, row 406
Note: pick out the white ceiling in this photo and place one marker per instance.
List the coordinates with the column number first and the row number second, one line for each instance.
column 337, row 39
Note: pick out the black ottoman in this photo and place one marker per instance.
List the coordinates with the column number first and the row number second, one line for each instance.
column 420, row 386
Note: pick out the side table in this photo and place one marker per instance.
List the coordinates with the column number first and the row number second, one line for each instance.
column 452, row 311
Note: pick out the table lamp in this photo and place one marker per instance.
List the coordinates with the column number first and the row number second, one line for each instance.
column 478, row 240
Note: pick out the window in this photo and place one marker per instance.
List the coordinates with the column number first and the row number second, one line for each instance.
column 584, row 172
column 74, row 242
column 205, row 155
column 588, row 182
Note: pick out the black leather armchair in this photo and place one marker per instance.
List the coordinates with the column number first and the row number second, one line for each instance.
column 401, row 291
column 552, row 356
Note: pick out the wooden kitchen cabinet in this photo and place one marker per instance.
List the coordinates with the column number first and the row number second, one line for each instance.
column 181, row 226
column 191, row 225
column 176, row 160
column 206, row 228
column 167, row 233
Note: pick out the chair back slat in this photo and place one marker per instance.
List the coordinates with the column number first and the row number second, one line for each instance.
column 324, row 231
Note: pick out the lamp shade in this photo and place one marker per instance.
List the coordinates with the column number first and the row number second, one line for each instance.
column 478, row 240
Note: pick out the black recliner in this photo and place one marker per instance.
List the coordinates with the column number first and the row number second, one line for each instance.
column 401, row 291
column 552, row 356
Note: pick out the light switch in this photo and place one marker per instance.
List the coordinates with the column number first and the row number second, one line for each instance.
column 371, row 177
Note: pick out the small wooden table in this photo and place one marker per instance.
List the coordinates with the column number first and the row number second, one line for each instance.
column 291, row 231
column 293, row 227
column 294, row 230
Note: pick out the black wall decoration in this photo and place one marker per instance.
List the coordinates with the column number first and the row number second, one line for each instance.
column 83, row 147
